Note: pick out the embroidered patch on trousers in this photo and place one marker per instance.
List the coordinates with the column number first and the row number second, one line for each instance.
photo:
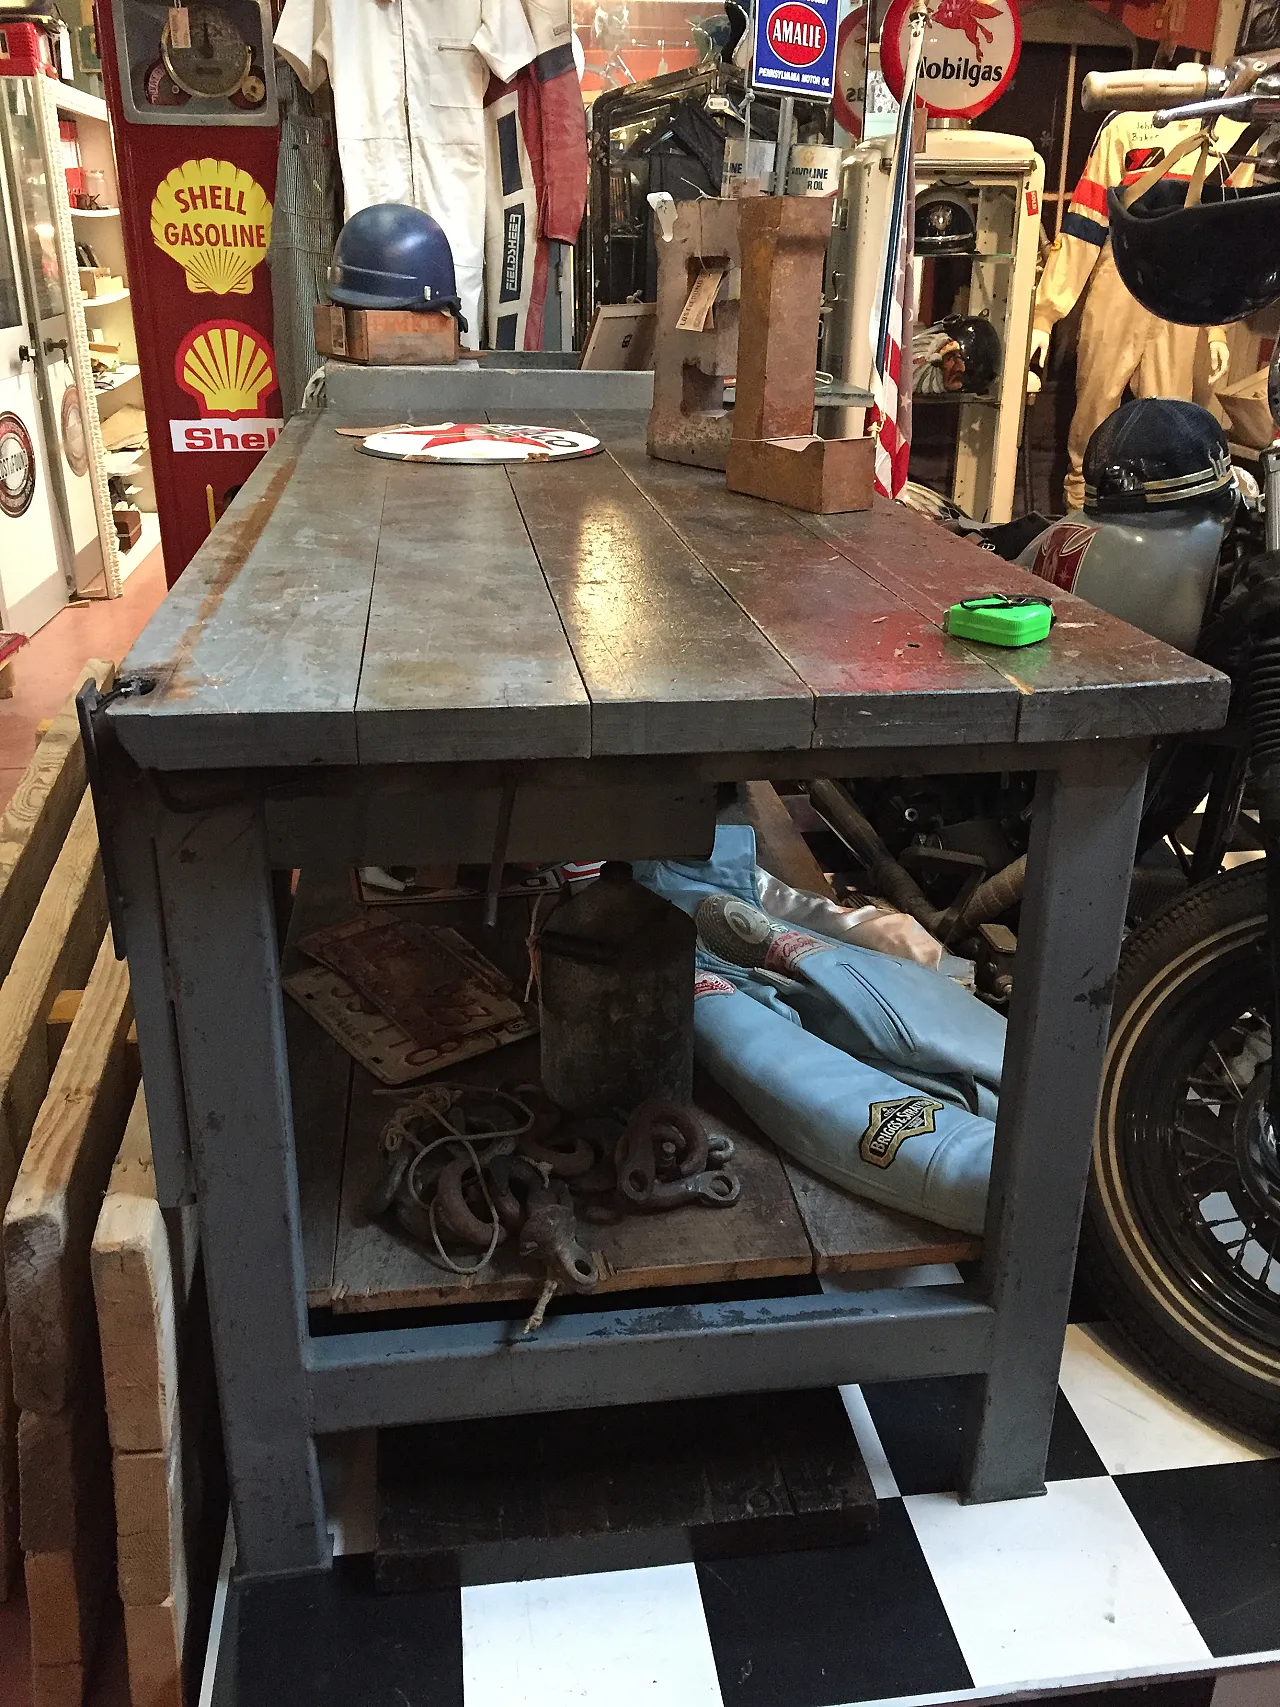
column 892, row 1123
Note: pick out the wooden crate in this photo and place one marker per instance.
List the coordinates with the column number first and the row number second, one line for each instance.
column 384, row 337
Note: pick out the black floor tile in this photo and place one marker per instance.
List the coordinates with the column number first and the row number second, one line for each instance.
column 1182, row 1692
column 1216, row 1531
column 842, row 1624
column 921, row 1427
column 1084, row 1307
column 331, row 1641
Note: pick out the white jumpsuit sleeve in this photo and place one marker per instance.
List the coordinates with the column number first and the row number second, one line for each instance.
column 304, row 37
column 504, row 40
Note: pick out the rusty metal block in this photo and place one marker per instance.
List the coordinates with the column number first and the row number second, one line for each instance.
column 825, row 476
column 774, row 452
column 688, row 422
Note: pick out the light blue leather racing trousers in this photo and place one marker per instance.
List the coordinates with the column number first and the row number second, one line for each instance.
column 877, row 1073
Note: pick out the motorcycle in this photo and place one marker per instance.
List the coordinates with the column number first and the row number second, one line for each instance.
column 1180, row 1242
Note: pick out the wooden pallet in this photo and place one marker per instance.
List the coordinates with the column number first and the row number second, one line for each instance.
column 52, row 916
column 69, row 1090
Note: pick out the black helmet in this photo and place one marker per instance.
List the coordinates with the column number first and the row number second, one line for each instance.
column 1158, row 453
column 944, row 223
column 1202, row 265
column 394, row 256
column 979, row 350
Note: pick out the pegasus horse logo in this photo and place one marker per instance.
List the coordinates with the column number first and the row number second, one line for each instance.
column 966, row 16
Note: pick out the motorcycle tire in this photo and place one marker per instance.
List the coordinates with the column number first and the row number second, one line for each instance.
column 1180, row 1243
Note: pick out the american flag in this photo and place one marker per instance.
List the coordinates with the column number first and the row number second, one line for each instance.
column 891, row 387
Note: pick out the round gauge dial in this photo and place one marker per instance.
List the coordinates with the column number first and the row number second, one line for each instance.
column 252, row 92
column 218, row 59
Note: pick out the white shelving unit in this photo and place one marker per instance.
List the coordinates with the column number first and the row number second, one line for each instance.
column 111, row 315
column 1002, row 178
column 122, row 376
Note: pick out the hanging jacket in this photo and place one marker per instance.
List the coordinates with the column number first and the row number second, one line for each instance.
column 1125, row 146
column 537, row 176
column 409, row 80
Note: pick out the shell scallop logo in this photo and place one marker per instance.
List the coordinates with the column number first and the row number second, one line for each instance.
column 229, row 367
column 214, row 220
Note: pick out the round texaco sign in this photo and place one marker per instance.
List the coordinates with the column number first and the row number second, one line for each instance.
column 17, row 466
column 75, row 441
column 479, row 442
column 970, row 54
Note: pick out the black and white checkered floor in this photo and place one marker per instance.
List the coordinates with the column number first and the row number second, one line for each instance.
column 1154, row 1556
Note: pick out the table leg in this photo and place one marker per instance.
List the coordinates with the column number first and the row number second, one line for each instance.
column 1079, row 863
column 225, row 975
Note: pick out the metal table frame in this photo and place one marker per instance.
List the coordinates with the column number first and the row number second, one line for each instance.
column 196, row 854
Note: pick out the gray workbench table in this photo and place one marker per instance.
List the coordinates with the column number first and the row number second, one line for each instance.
column 362, row 663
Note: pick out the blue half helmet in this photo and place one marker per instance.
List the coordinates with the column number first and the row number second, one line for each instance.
column 393, row 256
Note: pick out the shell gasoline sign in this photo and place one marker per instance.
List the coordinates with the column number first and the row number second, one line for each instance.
column 214, row 220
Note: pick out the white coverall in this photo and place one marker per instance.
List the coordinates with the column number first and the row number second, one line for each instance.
column 1121, row 344
column 409, row 79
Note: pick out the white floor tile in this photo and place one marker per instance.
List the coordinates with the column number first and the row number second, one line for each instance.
column 618, row 1639
column 883, row 1480
column 1054, row 1587
column 1257, row 1688
column 1134, row 1425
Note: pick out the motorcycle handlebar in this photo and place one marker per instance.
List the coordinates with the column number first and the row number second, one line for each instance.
column 1141, row 91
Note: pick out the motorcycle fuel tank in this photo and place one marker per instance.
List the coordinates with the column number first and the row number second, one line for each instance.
column 1154, row 571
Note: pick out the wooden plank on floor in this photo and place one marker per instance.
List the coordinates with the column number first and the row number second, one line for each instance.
column 64, row 1463
column 154, row 1636
column 56, row 954
column 137, row 1293
column 48, row 1226
column 851, row 1234
column 151, row 1560
column 377, row 1268
column 35, row 823
column 67, row 1593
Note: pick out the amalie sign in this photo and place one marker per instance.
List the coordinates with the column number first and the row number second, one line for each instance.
column 794, row 48
column 970, row 54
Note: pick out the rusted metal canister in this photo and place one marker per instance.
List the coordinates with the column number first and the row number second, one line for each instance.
column 616, row 996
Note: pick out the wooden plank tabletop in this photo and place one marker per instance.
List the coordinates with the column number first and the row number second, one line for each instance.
column 350, row 610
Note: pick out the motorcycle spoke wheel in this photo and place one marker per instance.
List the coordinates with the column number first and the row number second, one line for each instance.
column 1181, row 1240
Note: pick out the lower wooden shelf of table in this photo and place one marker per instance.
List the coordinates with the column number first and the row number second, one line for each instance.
column 786, row 1222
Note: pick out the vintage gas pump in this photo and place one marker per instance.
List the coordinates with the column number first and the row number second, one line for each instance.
column 191, row 89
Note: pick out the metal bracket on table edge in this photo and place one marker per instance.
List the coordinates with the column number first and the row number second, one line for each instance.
column 95, row 735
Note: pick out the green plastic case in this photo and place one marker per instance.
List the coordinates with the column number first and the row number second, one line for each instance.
column 999, row 620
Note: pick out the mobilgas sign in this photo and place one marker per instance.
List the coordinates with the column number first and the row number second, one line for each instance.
column 795, row 48
column 970, row 53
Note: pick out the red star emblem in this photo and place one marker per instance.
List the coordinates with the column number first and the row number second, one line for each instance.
column 1061, row 557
